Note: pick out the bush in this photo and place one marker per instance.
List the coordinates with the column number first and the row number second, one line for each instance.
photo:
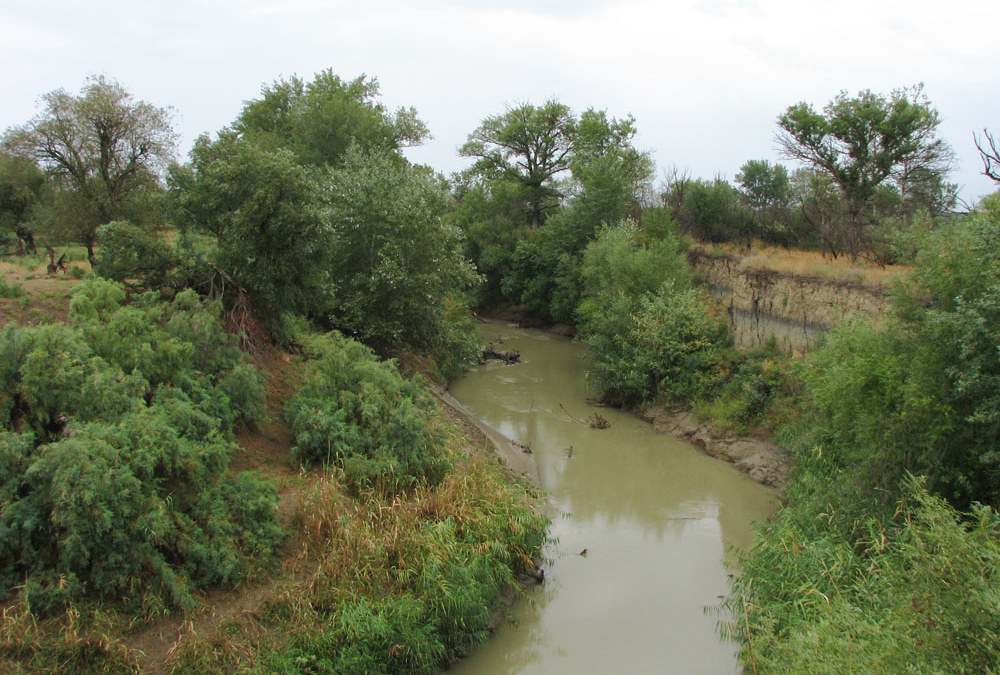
column 114, row 453
column 358, row 413
column 131, row 254
column 650, row 333
column 916, row 594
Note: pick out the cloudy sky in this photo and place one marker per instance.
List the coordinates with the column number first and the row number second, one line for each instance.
column 705, row 79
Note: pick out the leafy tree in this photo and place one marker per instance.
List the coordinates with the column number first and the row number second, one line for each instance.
column 711, row 211
column 392, row 259
column 821, row 206
column 526, row 227
column 262, row 207
column 765, row 188
column 319, row 120
column 22, row 185
column 763, row 185
column 863, row 142
column 104, row 148
column 529, row 145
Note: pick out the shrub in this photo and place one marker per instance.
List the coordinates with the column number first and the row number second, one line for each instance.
column 358, row 413
column 114, row 453
column 916, row 594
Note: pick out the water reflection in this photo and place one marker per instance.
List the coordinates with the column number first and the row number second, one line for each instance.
column 654, row 515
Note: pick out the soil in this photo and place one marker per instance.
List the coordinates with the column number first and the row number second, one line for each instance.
column 762, row 459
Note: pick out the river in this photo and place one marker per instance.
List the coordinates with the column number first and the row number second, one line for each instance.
column 642, row 527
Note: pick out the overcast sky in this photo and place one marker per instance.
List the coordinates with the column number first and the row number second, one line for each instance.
column 705, row 79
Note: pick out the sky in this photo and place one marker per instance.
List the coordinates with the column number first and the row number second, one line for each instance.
column 704, row 79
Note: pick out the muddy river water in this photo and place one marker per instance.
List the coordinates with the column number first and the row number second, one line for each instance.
column 642, row 527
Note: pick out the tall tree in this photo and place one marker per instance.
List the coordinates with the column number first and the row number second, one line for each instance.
column 529, row 145
column 105, row 148
column 865, row 141
column 763, row 185
column 319, row 120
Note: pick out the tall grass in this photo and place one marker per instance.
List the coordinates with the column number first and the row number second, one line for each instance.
column 401, row 584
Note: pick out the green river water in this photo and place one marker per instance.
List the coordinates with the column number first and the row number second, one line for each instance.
column 658, row 520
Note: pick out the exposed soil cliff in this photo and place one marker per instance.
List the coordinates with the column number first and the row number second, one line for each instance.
column 795, row 309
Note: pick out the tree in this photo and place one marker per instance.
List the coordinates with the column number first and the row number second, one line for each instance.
column 106, row 149
column 864, row 142
column 261, row 206
column 529, row 145
column 990, row 156
column 393, row 260
column 763, row 185
column 318, row 121
column 821, row 205
column 21, row 186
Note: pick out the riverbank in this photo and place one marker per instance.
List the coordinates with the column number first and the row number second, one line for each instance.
column 763, row 460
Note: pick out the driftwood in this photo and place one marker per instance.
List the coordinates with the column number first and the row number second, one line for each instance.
column 492, row 352
column 595, row 421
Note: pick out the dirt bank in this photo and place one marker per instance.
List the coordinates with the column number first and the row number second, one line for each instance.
column 508, row 452
column 764, row 461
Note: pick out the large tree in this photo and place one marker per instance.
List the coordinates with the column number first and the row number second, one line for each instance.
column 864, row 142
column 529, row 145
column 320, row 119
column 106, row 149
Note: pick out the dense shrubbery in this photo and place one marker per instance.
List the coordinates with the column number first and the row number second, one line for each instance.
column 115, row 446
column 913, row 591
column 358, row 413
column 648, row 329
column 132, row 254
column 865, row 570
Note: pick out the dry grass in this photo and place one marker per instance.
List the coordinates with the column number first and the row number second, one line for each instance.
column 806, row 263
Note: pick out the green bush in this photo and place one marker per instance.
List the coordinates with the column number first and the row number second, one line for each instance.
column 916, row 594
column 11, row 290
column 668, row 347
column 114, row 454
column 650, row 333
column 358, row 413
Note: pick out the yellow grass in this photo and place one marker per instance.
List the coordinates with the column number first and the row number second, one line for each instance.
column 806, row 263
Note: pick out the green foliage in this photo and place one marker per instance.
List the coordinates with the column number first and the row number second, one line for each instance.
column 758, row 391
column 436, row 562
column 134, row 254
column 916, row 594
column 649, row 331
column 527, row 230
column 866, row 569
column 115, row 448
column 22, row 188
column 393, row 261
column 261, row 205
column 865, row 142
column 318, row 121
column 104, row 149
column 358, row 413
column 711, row 211
column 11, row 289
